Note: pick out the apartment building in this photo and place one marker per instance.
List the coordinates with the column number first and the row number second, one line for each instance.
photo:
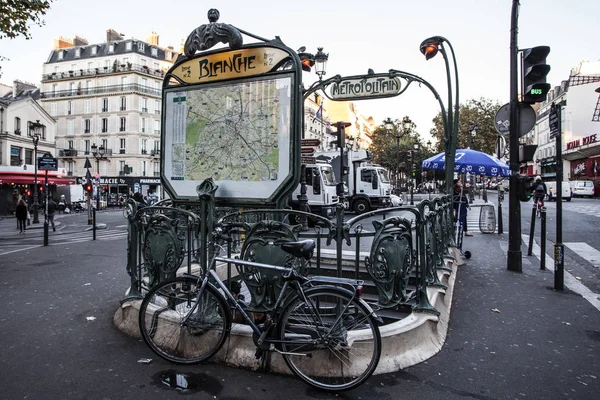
column 106, row 99
column 362, row 128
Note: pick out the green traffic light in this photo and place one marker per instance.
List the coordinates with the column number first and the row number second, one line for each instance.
column 536, row 91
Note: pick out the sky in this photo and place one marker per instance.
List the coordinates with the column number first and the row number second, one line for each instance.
column 378, row 34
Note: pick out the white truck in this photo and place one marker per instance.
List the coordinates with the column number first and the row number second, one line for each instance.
column 320, row 190
column 368, row 184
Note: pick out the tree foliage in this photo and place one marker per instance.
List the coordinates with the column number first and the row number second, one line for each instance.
column 17, row 15
column 483, row 113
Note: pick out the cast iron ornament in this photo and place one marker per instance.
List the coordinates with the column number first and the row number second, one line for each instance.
column 206, row 36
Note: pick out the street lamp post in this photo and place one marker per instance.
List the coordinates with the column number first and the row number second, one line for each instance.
column 321, row 70
column 430, row 47
column 36, row 127
column 472, row 134
column 413, row 178
column 99, row 154
column 429, row 187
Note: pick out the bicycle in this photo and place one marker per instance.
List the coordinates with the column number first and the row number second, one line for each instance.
column 538, row 204
column 328, row 336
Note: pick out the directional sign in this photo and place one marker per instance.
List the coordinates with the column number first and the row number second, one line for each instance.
column 48, row 163
column 88, row 175
column 526, row 121
column 307, row 151
column 554, row 121
column 310, row 142
column 87, row 164
column 308, row 160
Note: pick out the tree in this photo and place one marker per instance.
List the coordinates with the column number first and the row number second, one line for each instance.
column 481, row 112
column 16, row 17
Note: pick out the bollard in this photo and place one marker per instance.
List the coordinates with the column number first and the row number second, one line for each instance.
column 543, row 239
column 531, row 229
column 94, row 223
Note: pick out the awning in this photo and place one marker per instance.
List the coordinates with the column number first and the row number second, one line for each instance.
column 28, row 179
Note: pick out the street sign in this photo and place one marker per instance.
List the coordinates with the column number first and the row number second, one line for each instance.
column 87, row 164
column 308, row 160
column 307, row 151
column 500, row 146
column 310, row 142
column 47, row 163
column 88, row 175
column 527, row 118
column 554, row 121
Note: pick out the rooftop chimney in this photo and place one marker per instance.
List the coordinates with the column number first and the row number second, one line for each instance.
column 112, row 35
column 153, row 39
column 62, row 43
column 79, row 41
column 20, row 86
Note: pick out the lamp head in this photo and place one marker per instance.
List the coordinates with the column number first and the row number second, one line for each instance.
column 389, row 124
column 321, row 62
column 406, row 123
column 430, row 47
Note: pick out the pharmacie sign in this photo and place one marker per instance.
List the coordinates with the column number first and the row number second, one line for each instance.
column 365, row 87
column 582, row 142
column 230, row 65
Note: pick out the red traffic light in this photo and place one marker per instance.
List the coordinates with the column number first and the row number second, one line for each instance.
column 307, row 60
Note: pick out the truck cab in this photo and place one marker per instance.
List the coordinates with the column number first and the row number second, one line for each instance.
column 320, row 190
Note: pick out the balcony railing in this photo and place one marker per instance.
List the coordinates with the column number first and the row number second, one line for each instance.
column 121, row 129
column 157, row 131
column 144, row 109
column 156, row 173
column 86, row 131
column 132, row 87
column 144, row 152
column 69, row 173
column 155, row 153
column 67, row 153
column 121, row 151
column 103, row 70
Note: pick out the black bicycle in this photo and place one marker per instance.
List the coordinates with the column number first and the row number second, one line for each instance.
column 328, row 336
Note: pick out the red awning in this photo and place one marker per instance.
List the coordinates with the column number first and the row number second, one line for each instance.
column 28, row 179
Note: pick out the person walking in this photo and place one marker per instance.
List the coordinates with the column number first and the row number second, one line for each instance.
column 51, row 211
column 21, row 214
column 461, row 206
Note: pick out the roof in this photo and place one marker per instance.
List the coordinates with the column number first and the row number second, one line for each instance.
column 102, row 50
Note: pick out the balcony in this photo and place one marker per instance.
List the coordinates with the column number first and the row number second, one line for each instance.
column 157, row 112
column 104, row 130
column 144, row 151
column 144, row 109
column 86, row 131
column 121, row 129
column 133, row 87
column 123, row 108
column 115, row 69
column 155, row 153
column 121, row 151
column 67, row 153
column 157, row 131
column 104, row 109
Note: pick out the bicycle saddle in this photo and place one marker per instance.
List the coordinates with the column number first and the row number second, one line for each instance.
column 303, row 248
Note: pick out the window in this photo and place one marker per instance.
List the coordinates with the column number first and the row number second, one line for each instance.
column 105, row 105
column 54, row 109
column 156, row 145
column 86, row 147
column 142, row 124
column 104, row 124
column 121, row 167
column 15, row 156
column 111, row 48
column 69, row 107
column 144, row 168
column 168, row 55
column 156, row 107
column 70, row 145
column 78, row 53
column 105, row 144
column 87, row 106
column 156, row 126
column 123, row 103
column 17, row 126
column 124, row 82
column 144, row 105
column 140, row 46
column 90, row 65
column 144, row 83
column 72, row 88
column 70, row 127
column 87, row 125
column 154, row 51
column 122, row 146
column 156, row 67
column 128, row 45
column 70, row 168
column 366, row 175
column 54, row 89
column 144, row 62
column 156, row 168
column 29, row 156
column 88, row 86
column 60, row 54
column 144, row 144
column 94, row 50
column 122, row 124
column 106, row 64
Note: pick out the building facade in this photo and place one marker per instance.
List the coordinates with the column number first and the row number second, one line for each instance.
column 362, row 128
column 19, row 111
column 580, row 120
column 106, row 99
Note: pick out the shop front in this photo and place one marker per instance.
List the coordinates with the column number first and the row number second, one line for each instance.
column 114, row 188
column 587, row 169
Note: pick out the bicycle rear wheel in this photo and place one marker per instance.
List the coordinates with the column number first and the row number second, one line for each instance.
column 169, row 334
column 331, row 341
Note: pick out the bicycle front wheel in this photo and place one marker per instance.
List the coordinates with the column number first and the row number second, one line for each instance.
column 181, row 326
column 331, row 340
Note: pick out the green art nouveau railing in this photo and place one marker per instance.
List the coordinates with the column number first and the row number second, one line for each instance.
column 399, row 250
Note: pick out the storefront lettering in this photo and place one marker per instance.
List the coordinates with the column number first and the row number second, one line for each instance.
column 237, row 64
column 150, row 181
column 365, row 87
column 579, row 168
column 585, row 141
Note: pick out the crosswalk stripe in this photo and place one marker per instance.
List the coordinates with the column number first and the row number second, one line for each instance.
column 585, row 251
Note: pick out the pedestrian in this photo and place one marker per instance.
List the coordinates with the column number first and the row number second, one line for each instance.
column 21, row 214
column 62, row 204
column 461, row 206
column 137, row 196
column 51, row 211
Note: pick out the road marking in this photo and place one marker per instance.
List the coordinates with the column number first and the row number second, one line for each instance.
column 585, row 251
column 24, row 249
column 570, row 281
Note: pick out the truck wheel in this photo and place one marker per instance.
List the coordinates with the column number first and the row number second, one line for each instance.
column 361, row 206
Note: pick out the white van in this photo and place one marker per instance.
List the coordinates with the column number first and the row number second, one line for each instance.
column 566, row 190
column 582, row 188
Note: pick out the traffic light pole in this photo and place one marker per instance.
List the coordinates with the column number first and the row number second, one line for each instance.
column 514, row 256
column 559, row 247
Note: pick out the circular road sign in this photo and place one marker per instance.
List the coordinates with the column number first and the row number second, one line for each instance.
column 527, row 119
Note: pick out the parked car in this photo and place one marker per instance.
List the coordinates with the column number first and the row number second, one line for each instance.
column 566, row 191
column 582, row 188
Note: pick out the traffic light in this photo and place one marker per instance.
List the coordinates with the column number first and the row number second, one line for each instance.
column 307, row 60
column 340, row 134
column 88, row 188
column 409, row 153
column 534, row 74
column 525, row 187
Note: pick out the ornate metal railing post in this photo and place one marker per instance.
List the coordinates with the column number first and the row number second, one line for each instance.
column 206, row 193
column 133, row 246
column 423, row 304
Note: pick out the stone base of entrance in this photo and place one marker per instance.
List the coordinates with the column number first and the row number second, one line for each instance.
column 406, row 342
